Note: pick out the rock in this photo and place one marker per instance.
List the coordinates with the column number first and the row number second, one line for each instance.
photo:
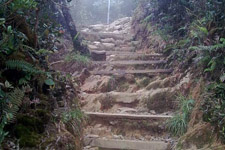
column 84, row 75
column 135, row 43
column 118, row 137
column 97, row 27
column 108, row 46
column 98, row 55
column 130, row 78
column 154, row 85
column 92, row 47
column 119, row 97
column 119, row 42
column 162, row 100
column 108, row 40
column 96, row 43
column 128, row 144
column 99, row 84
column 126, row 48
column 152, row 112
column 127, row 110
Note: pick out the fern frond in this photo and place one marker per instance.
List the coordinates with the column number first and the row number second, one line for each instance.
column 22, row 65
column 15, row 100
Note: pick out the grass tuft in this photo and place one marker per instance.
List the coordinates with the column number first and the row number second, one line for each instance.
column 179, row 123
column 76, row 57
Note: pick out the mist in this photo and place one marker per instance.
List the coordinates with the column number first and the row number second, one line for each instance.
column 89, row 12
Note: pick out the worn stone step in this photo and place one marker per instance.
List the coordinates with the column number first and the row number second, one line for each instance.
column 114, row 144
column 109, row 47
column 97, row 36
column 115, row 97
column 126, row 116
column 132, row 62
column 148, row 72
column 119, row 53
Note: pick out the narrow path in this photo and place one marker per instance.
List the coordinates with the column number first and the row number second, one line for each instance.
column 119, row 118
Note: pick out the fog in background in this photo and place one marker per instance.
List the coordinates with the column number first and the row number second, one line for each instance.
column 89, row 12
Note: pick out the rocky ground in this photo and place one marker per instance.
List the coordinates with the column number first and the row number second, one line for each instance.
column 128, row 96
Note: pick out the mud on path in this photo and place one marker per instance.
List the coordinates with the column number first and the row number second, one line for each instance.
column 129, row 96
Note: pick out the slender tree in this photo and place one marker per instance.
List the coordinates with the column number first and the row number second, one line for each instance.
column 71, row 27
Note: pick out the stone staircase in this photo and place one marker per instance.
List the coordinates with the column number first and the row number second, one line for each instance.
column 117, row 120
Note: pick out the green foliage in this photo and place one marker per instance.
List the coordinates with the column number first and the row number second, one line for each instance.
column 14, row 102
column 22, row 66
column 215, row 63
column 9, row 104
column 77, row 58
column 21, row 5
column 178, row 124
column 72, row 115
column 214, row 107
column 11, row 40
column 49, row 82
column 193, row 25
column 28, row 33
column 3, row 134
column 73, row 119
column 28, row 129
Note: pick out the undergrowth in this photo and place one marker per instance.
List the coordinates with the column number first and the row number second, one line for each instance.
column 214, row 107
column 76, row 57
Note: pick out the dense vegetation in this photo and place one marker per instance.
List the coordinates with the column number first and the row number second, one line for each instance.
column 195, row 35
column 29, row 91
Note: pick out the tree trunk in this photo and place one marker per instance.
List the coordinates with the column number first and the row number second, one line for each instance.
column 70, row 26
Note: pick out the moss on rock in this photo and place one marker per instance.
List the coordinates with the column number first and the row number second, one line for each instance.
column 29, row 129
column 27, row 137
column 32, row 123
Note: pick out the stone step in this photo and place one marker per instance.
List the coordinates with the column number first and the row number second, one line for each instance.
column 114, row 144
column 116, row 97
column 111, row 47
column 148, row 72
column 132, row 62
column 158, row 100
column 97, row 36
column 121, row 53
column 112, row 116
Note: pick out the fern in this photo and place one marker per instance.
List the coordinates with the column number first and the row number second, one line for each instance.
column 211, row 57
column 23, row 66
column 15, row 100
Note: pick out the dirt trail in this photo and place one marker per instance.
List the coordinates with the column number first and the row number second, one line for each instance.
column 128, row 97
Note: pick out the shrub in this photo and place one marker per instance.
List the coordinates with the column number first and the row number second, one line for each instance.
column 214, row 107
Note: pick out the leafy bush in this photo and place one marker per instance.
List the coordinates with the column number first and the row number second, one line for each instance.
column 178, row 124
column 214, row 107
